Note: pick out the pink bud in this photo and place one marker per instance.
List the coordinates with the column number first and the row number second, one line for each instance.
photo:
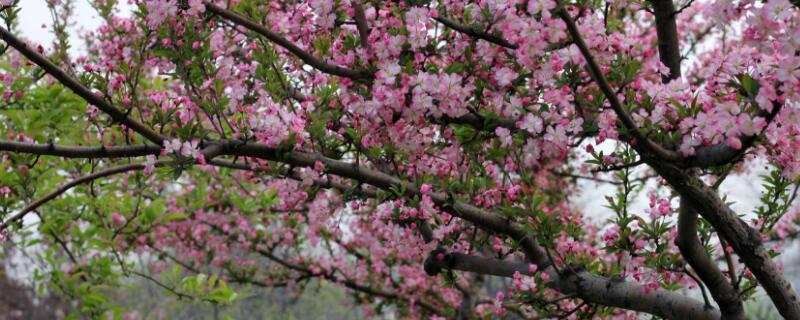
column 425, row 188
column 118, row 219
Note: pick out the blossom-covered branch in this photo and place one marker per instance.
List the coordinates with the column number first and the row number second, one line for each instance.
column 574, row 283
column 744, row 240
column 591, row 288
column 611, row 95
column 475, row 33
column 707, row 270
column 79, row 89
column 445, row 136
column 288, row 45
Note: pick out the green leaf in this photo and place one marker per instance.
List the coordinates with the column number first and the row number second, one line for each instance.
column 175, row 216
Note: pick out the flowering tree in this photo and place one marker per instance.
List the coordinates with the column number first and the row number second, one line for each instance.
column 408, row 150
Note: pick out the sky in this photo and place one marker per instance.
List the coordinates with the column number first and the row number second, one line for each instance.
column 34, row 13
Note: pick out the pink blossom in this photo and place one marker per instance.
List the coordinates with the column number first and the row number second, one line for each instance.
column 172, row 146
column 159, row 10
column 118, row 219
column 504, row 76
column 150, row 165
column 532, row 124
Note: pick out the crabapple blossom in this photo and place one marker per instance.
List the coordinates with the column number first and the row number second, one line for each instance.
column 403, row 151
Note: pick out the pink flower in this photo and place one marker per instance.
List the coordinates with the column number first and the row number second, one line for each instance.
column 543, row 6
column 388, row 71
column 528, row 284
column 188, row 148
column 118, row 219
column 425, row 188
column 504, row 135
column 172, row 146
column 159, row 10
column 319, row 166
column 544, row 276
column 505, row 76
column 734, row 142
column 532, row 124
column 196, row 7
column 150, row 165
column 749, row 125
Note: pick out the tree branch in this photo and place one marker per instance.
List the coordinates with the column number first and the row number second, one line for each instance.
column 79, row 89
column 475, row 33
column 576, row 282
column 79, row 151
column 361, row 23
column 84, row 179
column 611, row 95
column 384, row 181
column 722, row 154
column 586, row 286
column 599, row 289
column 707, row 270
column 209, row 153
column 745, row 240
column 288, row 45
column 667, row 31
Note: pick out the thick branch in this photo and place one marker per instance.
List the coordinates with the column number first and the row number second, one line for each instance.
column 589, row 287
column 79, row 89
column 79, row 151
column 695, row 254
column 586, row 286
column 667, row 32
column 745, row 240
column 611, row 95
column 309, row 59
column 598, row 289
column 475, row 33
column 613, row 294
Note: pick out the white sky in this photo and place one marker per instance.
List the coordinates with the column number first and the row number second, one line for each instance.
column 34, row 13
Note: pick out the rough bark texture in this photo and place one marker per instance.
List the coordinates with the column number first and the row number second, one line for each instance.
column 591, row 288
column 695, row 254
column 667, row 32
column 746, row 241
